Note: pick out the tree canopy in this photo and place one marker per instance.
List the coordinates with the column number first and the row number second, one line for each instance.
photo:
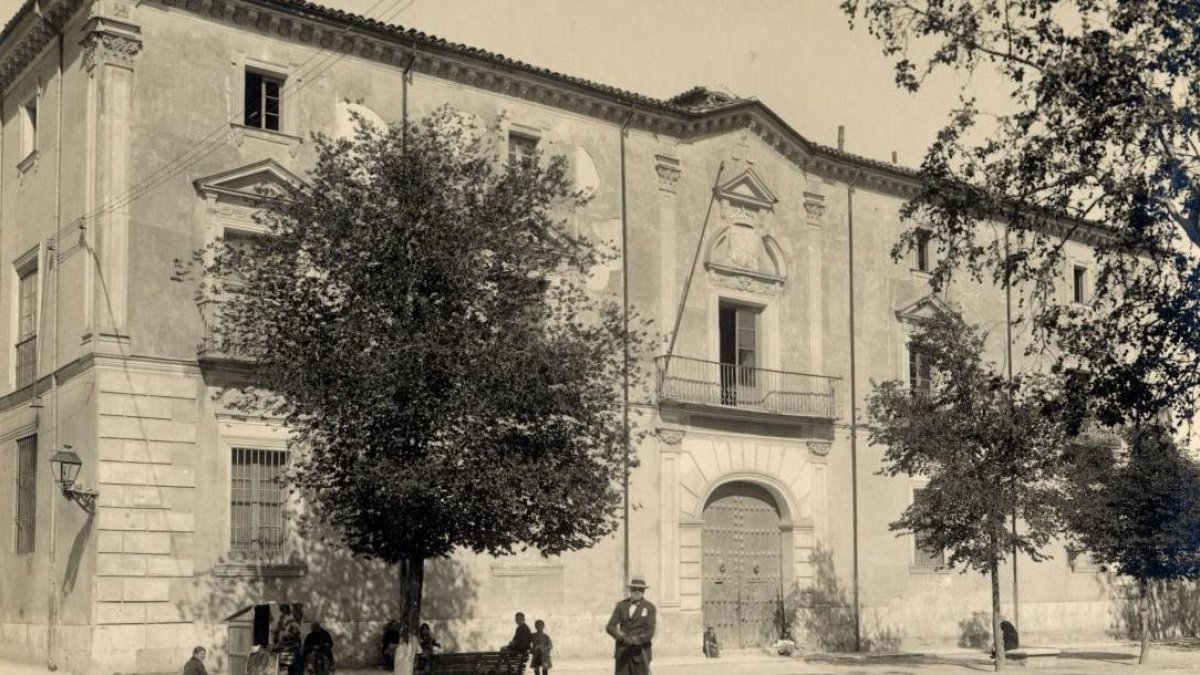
column 1097, row 140
column 417, row 314
column 983, row 444
column 1135, row 507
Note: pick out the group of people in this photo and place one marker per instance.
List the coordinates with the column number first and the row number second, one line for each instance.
column 631, row 627
column 535, row 643
column 313, row 656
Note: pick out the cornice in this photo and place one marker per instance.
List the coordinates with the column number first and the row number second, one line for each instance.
column 326, row 28
column 29, row 32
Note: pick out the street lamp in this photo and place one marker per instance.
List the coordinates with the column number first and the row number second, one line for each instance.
column 66, row 468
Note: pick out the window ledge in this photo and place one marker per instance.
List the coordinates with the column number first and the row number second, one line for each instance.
column 29, row 163
column 920, row 274
column 260, row 569
column 918, row 569
column 241, row 130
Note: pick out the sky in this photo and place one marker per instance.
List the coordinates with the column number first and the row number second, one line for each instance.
column 799, row 57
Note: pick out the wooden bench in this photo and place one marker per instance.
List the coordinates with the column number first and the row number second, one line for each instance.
column 1033, row 657
column 473, row 663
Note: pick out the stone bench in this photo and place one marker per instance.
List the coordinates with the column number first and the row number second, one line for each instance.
column 1033, row 657
column 473, row 663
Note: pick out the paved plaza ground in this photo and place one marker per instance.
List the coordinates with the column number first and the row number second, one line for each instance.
column 1103, row 659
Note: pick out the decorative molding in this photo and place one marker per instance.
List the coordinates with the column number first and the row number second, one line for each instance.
column 819, row 448
column 671, row 437
column 814, row 207
column 740, row 280
column 550, row 570
column 668, row 172
column 259, row 570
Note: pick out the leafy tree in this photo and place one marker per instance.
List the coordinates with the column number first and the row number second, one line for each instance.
column 1097, row 139
column 1136, row 510
column 985, row 446
column 418, row 315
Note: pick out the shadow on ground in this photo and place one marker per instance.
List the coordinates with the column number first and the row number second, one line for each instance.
column 967, row 662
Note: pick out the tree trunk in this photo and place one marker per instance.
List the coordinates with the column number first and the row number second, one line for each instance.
column 412, row 580
column 997, row 634
column 1144, row 620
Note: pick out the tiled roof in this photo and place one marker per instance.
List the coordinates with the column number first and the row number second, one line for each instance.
column 695, row 103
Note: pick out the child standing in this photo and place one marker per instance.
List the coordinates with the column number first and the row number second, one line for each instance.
column 541, row 649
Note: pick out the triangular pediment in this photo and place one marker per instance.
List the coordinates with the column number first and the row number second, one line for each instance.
column 923, row 309
column 748, row 188
column 250, row 181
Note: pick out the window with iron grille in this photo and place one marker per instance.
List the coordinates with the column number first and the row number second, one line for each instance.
column 521, row 148
column 925, row 555
column 262, row 100
column 920, row 374
column 258, row 503
column 26, row 493
column 27, row 324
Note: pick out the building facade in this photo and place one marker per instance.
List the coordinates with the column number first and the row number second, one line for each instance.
column 136, row 133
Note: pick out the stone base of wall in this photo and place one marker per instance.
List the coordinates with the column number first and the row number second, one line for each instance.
column 948, row 625
column 25, row 642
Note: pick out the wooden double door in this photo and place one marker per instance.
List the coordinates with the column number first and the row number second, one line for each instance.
column 742, row 566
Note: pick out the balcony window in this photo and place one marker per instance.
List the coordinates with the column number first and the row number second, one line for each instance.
column 738, row 328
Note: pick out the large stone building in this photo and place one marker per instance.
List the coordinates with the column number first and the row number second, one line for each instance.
column 136, row 132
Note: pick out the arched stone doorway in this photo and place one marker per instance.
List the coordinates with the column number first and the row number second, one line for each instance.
column 742, row 564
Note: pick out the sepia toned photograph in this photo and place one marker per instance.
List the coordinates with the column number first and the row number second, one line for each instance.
column 510, row 337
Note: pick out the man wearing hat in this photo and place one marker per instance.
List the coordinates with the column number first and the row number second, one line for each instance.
column 632, row 626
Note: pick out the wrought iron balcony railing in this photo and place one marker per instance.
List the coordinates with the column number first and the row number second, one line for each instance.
column 709, row 383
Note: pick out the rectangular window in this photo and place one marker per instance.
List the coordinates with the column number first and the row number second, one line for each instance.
column 1081, row 561
column 26, row 493
column 521, row 148
column 926, row 556
column 1079, row 284
column 920, row 374
column 29, row 122
column 923, row 260
column 258, row 503
column 27, row 326
column 738, row 328
column 262, row 104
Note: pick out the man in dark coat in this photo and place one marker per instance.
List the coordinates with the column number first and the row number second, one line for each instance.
column 195, row 665
column 632, row 626
column 522, row 637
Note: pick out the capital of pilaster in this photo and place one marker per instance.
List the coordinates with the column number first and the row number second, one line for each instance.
column 670, row 439
column 110, row 41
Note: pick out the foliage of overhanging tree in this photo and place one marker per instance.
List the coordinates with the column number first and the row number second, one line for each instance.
column 1097, row 138
column 1135, row 508
column 418, row 315
column 984, row 447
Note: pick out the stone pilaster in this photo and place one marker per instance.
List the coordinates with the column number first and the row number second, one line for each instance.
column 668, row 172
column 670, row 443
column 111, row 47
